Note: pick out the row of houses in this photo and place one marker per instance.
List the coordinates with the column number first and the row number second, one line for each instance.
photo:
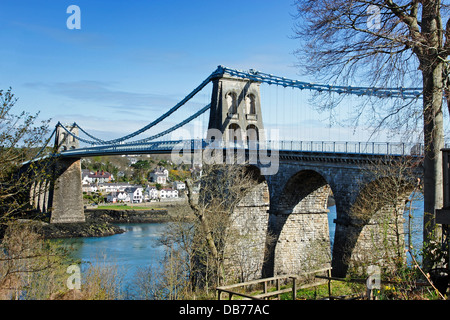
column 121, row 186
column 158, row 175
column 137, row 194
column 124, row 192
column 100, row 176
column 101, row 181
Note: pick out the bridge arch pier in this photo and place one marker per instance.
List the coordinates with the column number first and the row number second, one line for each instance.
column 39, row 195
column 299, row 217
column 56, row 189
column 371, row 230
column 299, row 223
column 66, row 194
column 247, row 235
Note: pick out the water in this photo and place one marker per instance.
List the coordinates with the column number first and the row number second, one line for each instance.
column 139, row 245
column 416, row 224
column 331, row 224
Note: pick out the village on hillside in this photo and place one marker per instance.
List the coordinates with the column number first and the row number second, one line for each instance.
column 135, row 179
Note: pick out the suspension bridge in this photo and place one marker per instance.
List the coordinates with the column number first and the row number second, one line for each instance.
column 296, row 176
column 152, row 144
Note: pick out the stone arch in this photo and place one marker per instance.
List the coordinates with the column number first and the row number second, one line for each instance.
column 250, row 104
column 305, row 191
column 370, row 232
column 299, row 222
column 231, row 99
column 246, row 244
column 252, row 133
column 234, row 133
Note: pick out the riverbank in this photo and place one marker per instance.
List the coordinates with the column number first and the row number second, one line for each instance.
column 102, row 222
column 78, row 230
column 127, row 215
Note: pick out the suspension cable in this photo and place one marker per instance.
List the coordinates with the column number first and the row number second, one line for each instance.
column 45, row 145
column 253, row 75
column 153, row 123
column 177, row 126
column 400, row 92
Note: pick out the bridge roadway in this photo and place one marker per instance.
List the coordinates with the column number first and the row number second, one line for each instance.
column 338, row 149
column 284, row 217
column 288, row 201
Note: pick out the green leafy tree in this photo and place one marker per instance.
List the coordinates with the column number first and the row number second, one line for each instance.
column 20, row 141
column 141, row 169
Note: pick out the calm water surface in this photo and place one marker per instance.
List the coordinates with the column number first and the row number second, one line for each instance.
column 139, row 245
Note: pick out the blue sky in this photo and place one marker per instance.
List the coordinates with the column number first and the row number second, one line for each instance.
column 133, row 60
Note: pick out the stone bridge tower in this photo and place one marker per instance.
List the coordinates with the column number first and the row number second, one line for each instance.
column 61, row 192
column 65, row 141
column 66, row 201
column 236, row 110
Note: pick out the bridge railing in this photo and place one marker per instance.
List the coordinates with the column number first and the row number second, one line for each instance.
column 382, row 148
column 375, row 148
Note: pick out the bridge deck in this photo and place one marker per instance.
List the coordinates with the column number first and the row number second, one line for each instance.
column 364, row 149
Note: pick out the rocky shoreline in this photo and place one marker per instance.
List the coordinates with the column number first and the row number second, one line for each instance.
column 78, row 230
column 102, row 222
column 99, row 223
column 127, row 216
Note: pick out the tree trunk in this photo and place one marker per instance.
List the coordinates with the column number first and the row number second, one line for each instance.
column 203, row 221
column 434, row 142
column 432, row 66
column 207, row 232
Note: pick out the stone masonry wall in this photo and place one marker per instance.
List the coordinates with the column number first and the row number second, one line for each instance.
column 298, row 217
column 67, row 196
column 247, row 236
column 303, row 243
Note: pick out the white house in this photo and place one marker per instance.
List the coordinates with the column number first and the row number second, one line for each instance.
column 118, row 197
column 135, row 194
column 84, row 176
column 123, row 196
column 89, row 187
column 159, row 175
column 132, row 159
column 178, row 185
column 112, row 187
column 96, row 177
column 151, row 193
column 168, row 193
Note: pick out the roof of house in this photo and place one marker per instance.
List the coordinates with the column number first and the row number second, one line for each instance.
column 132, row 189
column 168, row 189
column 159, row 170
column 100, row 174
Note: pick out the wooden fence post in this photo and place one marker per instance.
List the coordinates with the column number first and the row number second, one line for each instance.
column 294, row 288
column 278, row 288
column 329, row 283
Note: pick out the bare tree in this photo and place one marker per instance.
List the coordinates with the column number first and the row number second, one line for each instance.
column 30, row 267
column 20, row 140
column 386, row 188
column 385, row 43
column 222, row 187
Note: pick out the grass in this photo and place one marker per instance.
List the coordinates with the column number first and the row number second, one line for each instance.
column 122, row 207
column 338, row 288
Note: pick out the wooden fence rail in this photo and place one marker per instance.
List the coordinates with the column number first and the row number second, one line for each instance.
column 293, row 279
